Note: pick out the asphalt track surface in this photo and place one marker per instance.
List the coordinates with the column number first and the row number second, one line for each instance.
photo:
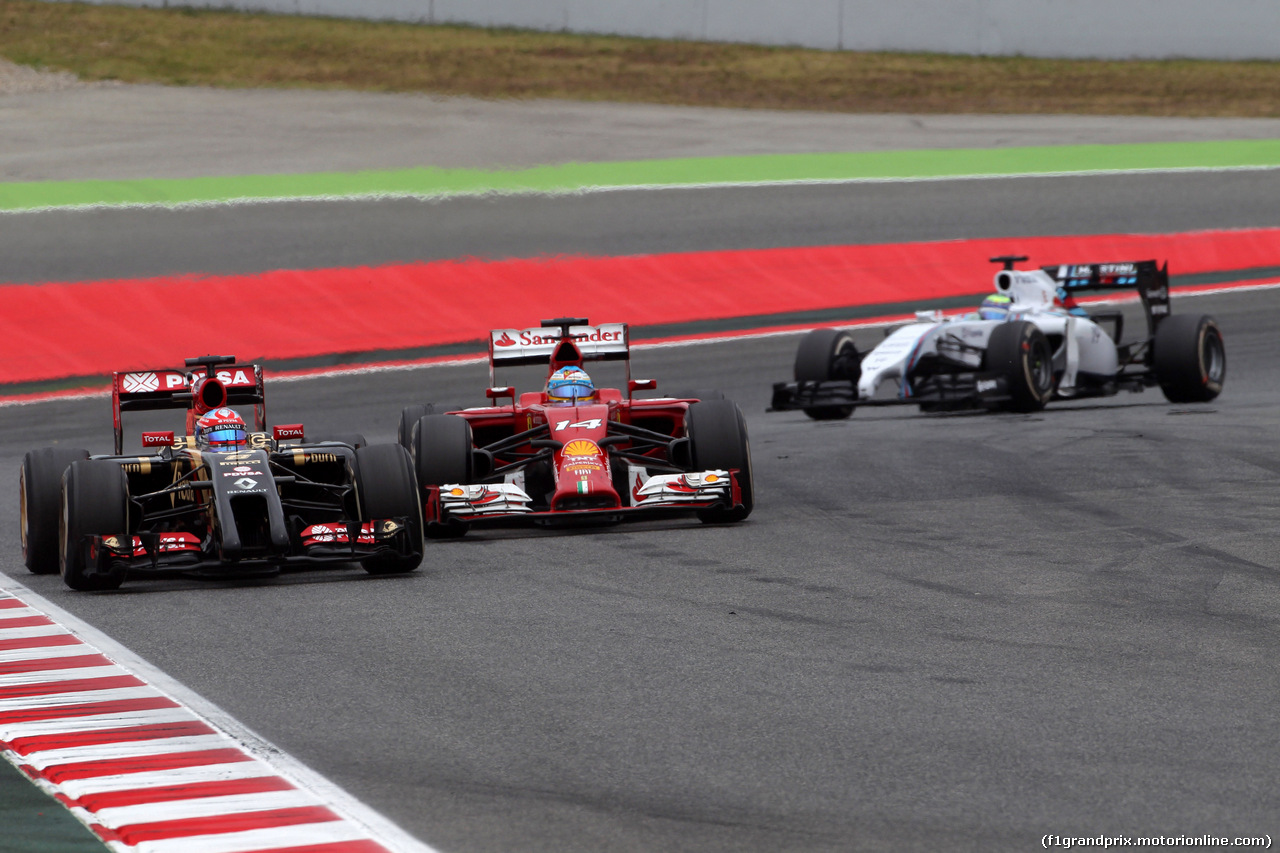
column 956, row 631
column 934, row 631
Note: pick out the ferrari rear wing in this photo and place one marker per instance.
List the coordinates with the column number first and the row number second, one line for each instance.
column 214, row 381
column 564, row 340
column 1147, row 277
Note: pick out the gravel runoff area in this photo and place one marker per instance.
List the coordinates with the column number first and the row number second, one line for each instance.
column 53, row 127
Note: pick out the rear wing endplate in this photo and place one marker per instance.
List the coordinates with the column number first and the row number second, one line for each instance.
column 1150, row 279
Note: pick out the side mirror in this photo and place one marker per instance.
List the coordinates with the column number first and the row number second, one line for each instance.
column 634, row 385
column 496, row 394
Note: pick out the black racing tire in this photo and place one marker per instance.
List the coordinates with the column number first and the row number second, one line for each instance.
column 387, row 488
column 1020, row 353
column 718, row 439
column 825, row 355
column 40, row 503
column 697, row 395
column 1189, row 358
column 409, row 417
column 95, row 501
column 355, row 439
column 442, row 446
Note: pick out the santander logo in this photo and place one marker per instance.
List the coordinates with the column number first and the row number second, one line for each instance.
column 504, row 341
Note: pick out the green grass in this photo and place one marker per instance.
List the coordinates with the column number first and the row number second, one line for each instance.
column 229, row 49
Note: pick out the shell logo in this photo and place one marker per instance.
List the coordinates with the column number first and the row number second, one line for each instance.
column 581, row 447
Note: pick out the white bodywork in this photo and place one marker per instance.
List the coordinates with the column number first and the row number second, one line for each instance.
column 1080, row 345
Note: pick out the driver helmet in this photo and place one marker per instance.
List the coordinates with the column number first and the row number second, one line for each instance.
column 995, row 307
column 570, row 386
column 221, row 431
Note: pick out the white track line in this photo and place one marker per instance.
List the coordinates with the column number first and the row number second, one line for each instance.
column 232, row 756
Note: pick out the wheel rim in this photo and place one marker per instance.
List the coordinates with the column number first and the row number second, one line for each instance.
column 1040, row 367
column 1213, row 358
column 22, row 510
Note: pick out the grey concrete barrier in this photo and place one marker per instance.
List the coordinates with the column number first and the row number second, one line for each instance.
column 1107, row 29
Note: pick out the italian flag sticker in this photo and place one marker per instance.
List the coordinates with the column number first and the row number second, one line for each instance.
column 583, row 487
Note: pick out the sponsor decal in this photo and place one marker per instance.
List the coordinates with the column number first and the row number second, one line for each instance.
column 245, row 483
column 157, row 439
column 505, row 341
column 582, row 447
column 289, row 431
column 141, row 383
column 240, row 456
column 236, row 377
column 389, row 527
column 581, row 456
column 240, row 473
column 985, row 385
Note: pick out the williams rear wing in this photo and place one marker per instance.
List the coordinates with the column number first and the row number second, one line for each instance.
column 1147, row 277
column 212, row 381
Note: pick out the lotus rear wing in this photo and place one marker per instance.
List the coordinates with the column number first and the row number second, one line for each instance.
column 559, row 342
column 1147, row 277
column 212, row 381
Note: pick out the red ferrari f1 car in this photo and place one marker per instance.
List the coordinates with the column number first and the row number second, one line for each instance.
column 571, row 453
column 216, row 499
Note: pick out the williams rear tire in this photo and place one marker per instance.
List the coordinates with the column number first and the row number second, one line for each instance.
column 1190, row 360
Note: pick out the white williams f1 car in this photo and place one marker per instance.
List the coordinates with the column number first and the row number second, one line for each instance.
column 1028, row 345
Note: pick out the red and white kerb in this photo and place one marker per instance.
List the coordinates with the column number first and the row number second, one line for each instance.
column 139, row 768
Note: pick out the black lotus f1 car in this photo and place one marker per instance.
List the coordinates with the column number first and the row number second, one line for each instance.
column 276, row 503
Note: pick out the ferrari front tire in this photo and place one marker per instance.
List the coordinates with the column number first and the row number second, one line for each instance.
column 1190, row 361
column 95, row 502
column 825, row 355
column 718, row 440
column 442, row 446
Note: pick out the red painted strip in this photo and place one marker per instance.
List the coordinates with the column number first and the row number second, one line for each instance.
column 39, row 642
column 43, row 664
column 219, row 824
column 110, row 682
column 55, row 330
column 124, row 734
column 330, row 847
column 60, row 773
column 11, row 604
column 25, row 622
column 224, row 788
column 119, row 706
